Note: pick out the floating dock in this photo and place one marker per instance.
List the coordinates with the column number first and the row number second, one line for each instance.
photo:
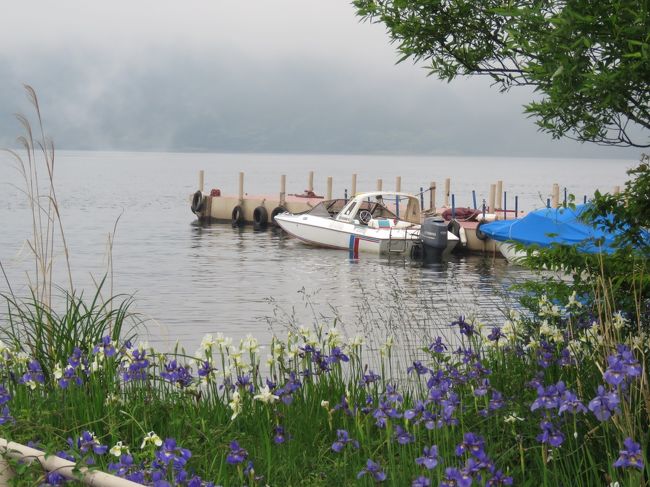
column 259, row 210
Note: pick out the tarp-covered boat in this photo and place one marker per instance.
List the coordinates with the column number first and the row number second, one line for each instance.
column 548, row 226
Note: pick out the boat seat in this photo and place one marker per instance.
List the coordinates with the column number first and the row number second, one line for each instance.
column 388, row 223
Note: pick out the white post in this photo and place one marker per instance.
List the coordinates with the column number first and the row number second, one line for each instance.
column 499, row 195
column 493, row 190
column 201, row 180
column 354, row 186
column 283, row 189
column 447, row 191
column 241, row 188
column 329, row 188
column 310, row 184
column 380, row 184
column 432, row 196
column 556, row 196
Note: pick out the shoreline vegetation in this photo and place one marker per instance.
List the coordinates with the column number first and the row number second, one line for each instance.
column 555, row 395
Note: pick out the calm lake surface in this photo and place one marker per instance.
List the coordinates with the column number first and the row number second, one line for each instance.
column 189, row 280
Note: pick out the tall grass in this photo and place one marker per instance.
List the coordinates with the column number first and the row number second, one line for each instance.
column 32, row 323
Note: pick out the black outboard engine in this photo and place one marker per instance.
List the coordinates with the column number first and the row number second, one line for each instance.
column 434, row 238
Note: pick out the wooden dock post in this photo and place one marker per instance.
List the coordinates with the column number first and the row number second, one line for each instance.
column 380, row 185
column 447, row 190
column 398, row 184
column 283, row 190
column 493, row 190
column 354, row 186
column 329, row 188
column 310, row 183
column 556, row 196
column 241, row 188
column 432, row 196
column 499, row 195
column 201, row 180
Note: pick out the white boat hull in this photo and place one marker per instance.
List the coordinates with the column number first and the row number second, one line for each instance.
column 510, row 252
column 355, row 238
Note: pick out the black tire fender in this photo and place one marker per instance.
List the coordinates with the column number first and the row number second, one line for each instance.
column 276, row 211
column 237, row 216
column 260, row 217
column 198, row 202
column 479, row 233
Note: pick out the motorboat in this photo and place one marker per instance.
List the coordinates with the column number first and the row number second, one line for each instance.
column 546, row 227
column 377, row 222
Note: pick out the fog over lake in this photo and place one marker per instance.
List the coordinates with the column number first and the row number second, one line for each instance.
column 292, row 76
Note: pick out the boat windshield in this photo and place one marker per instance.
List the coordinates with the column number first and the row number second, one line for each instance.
column 327, row 209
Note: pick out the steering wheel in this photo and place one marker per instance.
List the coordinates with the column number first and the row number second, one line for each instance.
column 365, row 216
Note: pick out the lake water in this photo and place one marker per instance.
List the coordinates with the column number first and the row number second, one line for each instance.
column 189, row 279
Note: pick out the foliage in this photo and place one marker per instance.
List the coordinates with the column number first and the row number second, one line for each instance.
column 588, row 62
column 620, row 280
column 556, row 400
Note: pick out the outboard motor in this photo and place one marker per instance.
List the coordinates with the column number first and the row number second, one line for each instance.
column 433, row 233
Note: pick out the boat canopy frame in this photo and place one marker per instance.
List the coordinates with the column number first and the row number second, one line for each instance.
column 376, row 203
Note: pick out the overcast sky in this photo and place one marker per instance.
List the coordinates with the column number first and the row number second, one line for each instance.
column 246, row 76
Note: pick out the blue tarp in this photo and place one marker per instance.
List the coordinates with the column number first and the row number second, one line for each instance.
column 547, row 226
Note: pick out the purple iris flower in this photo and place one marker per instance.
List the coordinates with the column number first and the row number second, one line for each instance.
column 285, row 393
column 631, row 456
column 171, row 454
column 280, row 435
column 430, row 457
column 464, row 327
column 337, row 356
column 5, row 397
column 34, row 373
column 456, row 478
column 106, row 345
column 416, row 413
column 6, row 416
column 244, row 382
column 391, row 395
column 616, row 372
column 473, row 444
column 369, row 378
column 496, row 401
column 417, row 367
column 373, row 469
column 499, row 478
column 437, row 346
column 205, row 369
column 566, row 360
column 421, row 481
column 604, row 404
column 621, row 366
column 545, row 354
column 54, row 478
column 87, row 442
column 569, row 403
column 123, row 467
column 550, row 434
column 237, row 454
column 483, row 387
column 548, row 397
column 496, row 334
column 402, row 436
column 177, row 374
column 342, row 440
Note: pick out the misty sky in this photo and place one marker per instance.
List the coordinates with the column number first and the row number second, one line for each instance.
column 254, row 76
